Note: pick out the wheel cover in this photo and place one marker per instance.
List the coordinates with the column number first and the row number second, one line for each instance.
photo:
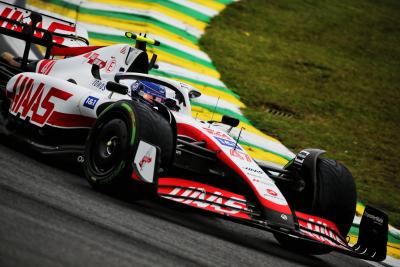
column 109, row 146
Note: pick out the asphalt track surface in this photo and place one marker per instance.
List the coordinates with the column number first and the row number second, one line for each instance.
column 50, row 216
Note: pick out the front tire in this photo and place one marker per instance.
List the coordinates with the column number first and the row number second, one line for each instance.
column 114, row 139
column 335, row 199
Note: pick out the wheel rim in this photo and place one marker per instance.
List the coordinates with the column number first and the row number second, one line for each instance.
column 109, row 146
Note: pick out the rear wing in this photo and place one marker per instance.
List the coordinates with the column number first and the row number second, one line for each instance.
column 40, row 29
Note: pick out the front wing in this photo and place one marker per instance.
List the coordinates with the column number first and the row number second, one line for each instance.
column 372, row 240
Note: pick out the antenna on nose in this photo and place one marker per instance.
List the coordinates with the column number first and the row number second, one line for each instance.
column 215, row 108
column 237, row 140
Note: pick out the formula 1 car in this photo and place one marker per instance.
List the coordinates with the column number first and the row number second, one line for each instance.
column 127, row 127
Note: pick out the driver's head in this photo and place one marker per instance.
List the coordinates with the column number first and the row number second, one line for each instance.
column 152, row 91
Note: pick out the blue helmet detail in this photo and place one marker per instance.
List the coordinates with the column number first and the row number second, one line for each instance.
column 149, row 88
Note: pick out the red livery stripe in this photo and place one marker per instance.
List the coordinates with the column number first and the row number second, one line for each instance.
column 70, row 120
column 72, row 51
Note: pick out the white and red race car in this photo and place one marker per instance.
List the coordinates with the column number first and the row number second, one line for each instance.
column 100, row 105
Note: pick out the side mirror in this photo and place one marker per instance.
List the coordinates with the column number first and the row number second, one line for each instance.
column 117, row 88
column 194, row 94
column 171, row 104
column 233, row 122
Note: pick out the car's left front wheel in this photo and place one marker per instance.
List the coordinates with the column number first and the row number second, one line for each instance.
column 114, row 139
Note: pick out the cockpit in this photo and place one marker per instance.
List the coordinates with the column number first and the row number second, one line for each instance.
column 175, row 95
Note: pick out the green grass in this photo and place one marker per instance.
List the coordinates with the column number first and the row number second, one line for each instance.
column 335, row 66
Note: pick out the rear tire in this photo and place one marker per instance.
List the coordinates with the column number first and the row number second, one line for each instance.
column 113, row 141
column 336, row 200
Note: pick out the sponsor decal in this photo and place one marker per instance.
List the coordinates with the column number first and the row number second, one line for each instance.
column 254, row 170
column 217, row 133
column 145, row 162
column 374, row 218
column 204, row 196
column 93, row 58
column 263, row 181
column 255, row 176
column 123, row 50
column 216, row 201
column 46, row 65
column 111, row 65
column 99, row 84
column 240, row 155
column 146, row 159
column 80, row 159
column 272, row 192
column 228, row 143
column 36, row 102
column 90, row 102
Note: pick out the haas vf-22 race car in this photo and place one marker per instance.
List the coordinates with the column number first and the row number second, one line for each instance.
column 129, row 128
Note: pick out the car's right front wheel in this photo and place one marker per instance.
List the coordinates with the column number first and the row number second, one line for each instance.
column 332, row 195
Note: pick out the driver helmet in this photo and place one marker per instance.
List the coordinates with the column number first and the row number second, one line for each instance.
column 152, row 91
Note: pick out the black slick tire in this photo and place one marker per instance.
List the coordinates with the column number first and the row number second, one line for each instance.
column 113, row 141
column 336, row 200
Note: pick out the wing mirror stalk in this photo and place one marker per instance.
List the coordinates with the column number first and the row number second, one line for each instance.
column 114, row 87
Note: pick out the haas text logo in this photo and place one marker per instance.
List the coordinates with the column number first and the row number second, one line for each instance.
column 214, row 201
column 15, row 14
column 35, row 100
